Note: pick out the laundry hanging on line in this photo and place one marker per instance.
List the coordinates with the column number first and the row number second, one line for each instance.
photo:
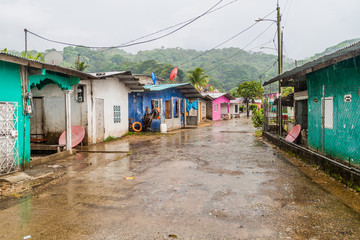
column 190, row 105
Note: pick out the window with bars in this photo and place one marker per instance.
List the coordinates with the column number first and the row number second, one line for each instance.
column 216, row 107
column 117, row 114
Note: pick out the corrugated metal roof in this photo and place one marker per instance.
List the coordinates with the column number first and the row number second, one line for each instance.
column 217, row 95
column 124, row 76
column 187, row 89
column 327, row 60
column 109, row 74
column 164, row 86
column 7, row 57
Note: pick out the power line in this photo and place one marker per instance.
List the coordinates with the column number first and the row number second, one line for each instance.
column 131, row 43
column 227, row 59
column 272, row 65
column 162, row 30
column 224, row 41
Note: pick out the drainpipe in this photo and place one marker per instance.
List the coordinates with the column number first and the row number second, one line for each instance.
column 68, row 120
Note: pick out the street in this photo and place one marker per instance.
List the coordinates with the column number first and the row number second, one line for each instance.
column 214, row 182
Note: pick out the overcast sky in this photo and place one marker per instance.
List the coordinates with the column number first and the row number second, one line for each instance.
column 309, row 26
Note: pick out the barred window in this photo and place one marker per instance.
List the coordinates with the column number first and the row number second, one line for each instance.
column 117, row 114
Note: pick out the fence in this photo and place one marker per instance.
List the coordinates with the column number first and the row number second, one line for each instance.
column 271, row 119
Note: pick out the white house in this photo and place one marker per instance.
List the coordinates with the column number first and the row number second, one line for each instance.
column 234, row 107
column 100, row 105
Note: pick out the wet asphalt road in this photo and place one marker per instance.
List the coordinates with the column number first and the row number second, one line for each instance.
column 216, row 182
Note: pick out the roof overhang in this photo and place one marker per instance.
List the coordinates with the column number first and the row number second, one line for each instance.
column 298, row 73
column 40, row 65
column 125, row 77
column 189, row 91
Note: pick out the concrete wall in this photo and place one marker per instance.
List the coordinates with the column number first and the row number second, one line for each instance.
column 114, row 93
column 54, row 111
column 11, row 91
column 110, row 91
column 203, row 109
column 232, row 109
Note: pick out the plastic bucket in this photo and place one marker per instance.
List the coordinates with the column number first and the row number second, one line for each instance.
column 163, row 128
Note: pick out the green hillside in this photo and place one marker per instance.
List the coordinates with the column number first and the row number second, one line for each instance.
column 244, row 66
column 241, row 65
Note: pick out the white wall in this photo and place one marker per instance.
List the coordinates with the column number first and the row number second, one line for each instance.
column 113, row 92
column 203, row 109
column 224, row 108
column 232, row 108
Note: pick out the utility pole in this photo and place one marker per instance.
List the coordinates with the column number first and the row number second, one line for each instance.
column 78, row 61
column 279, row 33
column 25, row 30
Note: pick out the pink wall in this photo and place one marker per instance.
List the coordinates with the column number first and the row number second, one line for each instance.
column 222, row 99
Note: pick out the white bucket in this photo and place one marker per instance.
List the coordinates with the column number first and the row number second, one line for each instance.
column 163, row 128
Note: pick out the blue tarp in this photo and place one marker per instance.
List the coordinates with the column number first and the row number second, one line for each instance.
column 190, row 105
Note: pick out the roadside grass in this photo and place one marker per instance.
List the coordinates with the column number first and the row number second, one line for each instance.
column 258, row 133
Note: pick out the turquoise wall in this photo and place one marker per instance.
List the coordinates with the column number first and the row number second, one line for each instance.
column 10, row 91
column 343, row 141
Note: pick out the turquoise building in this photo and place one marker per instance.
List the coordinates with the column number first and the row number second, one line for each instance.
column 17, row 77
column 327, row 103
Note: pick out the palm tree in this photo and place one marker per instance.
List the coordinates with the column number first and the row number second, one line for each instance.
column 198, row 78
column 80, row 66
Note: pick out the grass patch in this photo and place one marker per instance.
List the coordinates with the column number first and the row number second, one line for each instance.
column 258, row 133
column 110, row 138
column 144, row 133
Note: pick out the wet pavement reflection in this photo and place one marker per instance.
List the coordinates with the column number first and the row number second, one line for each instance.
column 215, row 182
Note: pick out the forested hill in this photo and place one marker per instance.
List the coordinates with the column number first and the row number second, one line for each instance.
column 243, row 66
column 239, row 65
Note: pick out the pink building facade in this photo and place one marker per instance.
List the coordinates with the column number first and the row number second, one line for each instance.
column 219, row 105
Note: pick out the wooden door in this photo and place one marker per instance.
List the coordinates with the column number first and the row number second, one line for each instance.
column 99, row 119
column 36, row 121
column 167, row 109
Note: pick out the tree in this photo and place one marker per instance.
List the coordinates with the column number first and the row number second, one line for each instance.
column 38, row 57
column 80, row 66
column 198, row 78
column 287, row 90
column 250, row 91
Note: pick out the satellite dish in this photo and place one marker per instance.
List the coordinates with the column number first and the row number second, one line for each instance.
column 54, row 58
column 173, row 74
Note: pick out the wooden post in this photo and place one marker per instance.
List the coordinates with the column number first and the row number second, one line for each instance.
column 184, row 112
column 323, row 120
column 198, row 110
column 68, row 120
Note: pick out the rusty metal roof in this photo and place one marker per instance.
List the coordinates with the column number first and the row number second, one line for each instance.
column 327, row 60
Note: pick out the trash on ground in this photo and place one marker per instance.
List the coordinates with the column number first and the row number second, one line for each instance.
column 27, row 237
column 129, row 178
column 172, row 236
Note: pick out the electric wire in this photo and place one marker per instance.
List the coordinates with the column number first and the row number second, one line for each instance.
column 132, row 43
column 162, row 30
column 272, row 65
column 229, row 39
column 227, row 59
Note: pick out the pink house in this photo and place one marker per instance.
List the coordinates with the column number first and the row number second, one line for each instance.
column 218, row 104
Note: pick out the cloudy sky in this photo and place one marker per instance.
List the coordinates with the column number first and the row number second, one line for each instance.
column 309, row 26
